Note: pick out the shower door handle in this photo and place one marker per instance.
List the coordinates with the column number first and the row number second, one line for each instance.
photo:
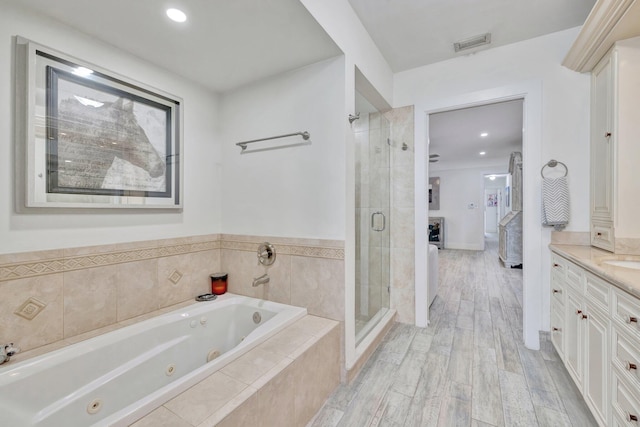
column 384, row 221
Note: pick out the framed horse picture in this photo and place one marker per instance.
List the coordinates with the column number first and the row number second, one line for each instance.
column 96, row 139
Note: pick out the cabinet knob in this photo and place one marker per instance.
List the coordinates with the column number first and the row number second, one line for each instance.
column 630, row 365
column 598, row 234
column 554, row 329
column 631, row 417
column 556, row 264
column 607, row 134
column 584, row 316
column 631, row 319
column 578, row 311
column 557, row 291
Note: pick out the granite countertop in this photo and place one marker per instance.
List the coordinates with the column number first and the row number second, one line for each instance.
column 593, row 260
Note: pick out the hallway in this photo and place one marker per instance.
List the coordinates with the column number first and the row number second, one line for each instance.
column 468, row 368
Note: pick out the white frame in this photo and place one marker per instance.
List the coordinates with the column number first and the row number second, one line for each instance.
column 31, row 164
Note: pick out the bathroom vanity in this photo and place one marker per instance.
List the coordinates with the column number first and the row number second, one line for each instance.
column 595, row 328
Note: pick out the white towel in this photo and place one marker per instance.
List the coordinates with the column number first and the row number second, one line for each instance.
column 555, row 202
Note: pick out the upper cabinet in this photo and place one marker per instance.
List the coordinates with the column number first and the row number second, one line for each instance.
column 615, row 149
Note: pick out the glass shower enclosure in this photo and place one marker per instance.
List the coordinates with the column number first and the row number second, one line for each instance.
column 372, row 216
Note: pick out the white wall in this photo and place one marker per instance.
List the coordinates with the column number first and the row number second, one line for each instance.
column 464, row 227
column 563, row 134
column 296, row 191
column 63, row 228
column 493, row 215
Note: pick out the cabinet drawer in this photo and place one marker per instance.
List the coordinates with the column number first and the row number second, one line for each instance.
column 598, row 291
column 625, row 403
column 557, row 331
column 602, row 235
column 575, row 277
column 626, row 312
column 558, row 264
column 626, row 356
column 557, row 290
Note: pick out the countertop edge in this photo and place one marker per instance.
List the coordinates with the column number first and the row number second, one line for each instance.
column 595, row 268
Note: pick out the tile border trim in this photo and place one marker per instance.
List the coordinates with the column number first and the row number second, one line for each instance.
column 21, row 270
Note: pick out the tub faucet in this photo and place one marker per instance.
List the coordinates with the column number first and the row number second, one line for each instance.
column 262, row 280
column 6, row 351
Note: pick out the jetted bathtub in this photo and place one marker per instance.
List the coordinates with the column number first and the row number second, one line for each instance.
column 116, row 378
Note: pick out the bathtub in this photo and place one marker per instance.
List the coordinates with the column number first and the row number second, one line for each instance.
column 116, row 378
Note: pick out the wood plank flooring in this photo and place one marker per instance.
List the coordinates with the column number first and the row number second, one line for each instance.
column 468, row 368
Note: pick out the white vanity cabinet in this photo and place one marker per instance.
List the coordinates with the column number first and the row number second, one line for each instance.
column 581, row 332
column 615, row 147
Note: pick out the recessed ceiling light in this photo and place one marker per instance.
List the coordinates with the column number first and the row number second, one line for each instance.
column 484, row 134
column 176, row 15
column 482, row 153
column 492, row 177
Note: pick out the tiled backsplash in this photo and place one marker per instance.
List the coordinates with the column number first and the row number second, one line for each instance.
column 82, row 289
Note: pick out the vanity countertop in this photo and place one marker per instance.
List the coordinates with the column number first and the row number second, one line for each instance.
column 593, row 260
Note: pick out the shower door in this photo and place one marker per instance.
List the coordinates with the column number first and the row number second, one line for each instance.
column 372, row 132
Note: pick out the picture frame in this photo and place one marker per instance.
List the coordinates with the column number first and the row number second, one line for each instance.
column 92, row 138
column 434, row 193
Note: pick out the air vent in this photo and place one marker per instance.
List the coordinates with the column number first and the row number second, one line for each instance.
column 472, row 42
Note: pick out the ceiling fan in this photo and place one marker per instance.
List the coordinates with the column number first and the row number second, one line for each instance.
column 433, row 158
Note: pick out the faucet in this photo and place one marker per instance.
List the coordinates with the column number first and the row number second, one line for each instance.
column 262, row 280
column 6, row 351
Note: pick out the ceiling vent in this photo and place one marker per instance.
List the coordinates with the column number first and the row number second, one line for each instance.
column 472, row 42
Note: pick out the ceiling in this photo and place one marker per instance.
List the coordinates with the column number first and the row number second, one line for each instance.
column 455, row 135
column 222, row 45
column 413, row 33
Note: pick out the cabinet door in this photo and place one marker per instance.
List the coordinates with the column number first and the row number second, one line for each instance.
column 602, row 140
column 596, row 374
column 573, row 335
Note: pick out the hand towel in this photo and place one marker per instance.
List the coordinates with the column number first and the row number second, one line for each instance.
column 555, row 202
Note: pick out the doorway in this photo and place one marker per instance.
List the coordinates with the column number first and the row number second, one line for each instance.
column 531, row 93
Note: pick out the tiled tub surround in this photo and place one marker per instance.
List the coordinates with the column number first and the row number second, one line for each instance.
column 282, row 382
column 92, row 289
column 116, row 378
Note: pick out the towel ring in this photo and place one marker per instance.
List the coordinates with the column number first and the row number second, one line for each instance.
column 552, row 164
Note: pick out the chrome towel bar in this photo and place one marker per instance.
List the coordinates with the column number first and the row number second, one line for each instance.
column 305, row 135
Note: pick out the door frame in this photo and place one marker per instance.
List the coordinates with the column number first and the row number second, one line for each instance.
column 531, row 92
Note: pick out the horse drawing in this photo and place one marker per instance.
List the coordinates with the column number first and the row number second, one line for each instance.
column 90, row 138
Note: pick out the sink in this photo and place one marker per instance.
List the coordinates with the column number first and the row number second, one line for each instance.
column 626, row 264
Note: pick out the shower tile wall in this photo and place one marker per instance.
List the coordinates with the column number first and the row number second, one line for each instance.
column 402, row 213
column 97, row 288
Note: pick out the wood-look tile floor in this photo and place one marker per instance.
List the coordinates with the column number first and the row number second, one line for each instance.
column 468, row 368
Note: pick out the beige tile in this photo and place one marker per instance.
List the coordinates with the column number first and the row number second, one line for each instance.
column 570, row 238
column 403, row 301
column 43, row 329
column 402, row 190
column 272, row 373
column 195, row 269
column 402, row 228
column 279, row 287
column 317, row 374
column 318, row 285
column 131, row 246
column 252, row 365
column 286, row 342
column 246, row 414
column 89, row 299
column 275, row 401
column 33, row 256
column 402, row 268
column 314, row 325
column 205, row 398
column 236, row 411
column 401, row 115
column 242, row 267
column 90, row 250
column 137, row 288
column 161, row 417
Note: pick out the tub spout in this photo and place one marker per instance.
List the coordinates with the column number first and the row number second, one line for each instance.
column 262, row 280
column 6, row 351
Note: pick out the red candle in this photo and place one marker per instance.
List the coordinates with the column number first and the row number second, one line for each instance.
column 219, row 283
